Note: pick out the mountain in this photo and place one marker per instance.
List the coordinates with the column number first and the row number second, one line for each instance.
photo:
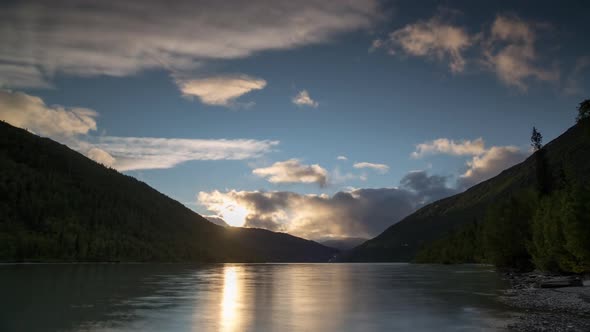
column 568, row 156
column 217, row 221
column 58, row 205
column 342, row 244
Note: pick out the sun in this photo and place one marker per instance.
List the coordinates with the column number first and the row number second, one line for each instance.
column 234, row 214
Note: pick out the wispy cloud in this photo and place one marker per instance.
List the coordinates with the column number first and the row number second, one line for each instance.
column 303, row 99
column 293, row 171
column 339, row 177
column 122, row 38
column 219, row 90
column 342, row 158
column 507, row 47
column 23, row 75
column 434, row 38
column 71, row 126
column 135, row 153
column 382, row 168
column 451, row 147
column 510, row 52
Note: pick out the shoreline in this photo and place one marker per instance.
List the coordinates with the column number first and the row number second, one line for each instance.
column 547, row 309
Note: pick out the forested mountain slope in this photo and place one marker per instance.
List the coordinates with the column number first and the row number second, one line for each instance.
column 562, row 165
column 58, row 205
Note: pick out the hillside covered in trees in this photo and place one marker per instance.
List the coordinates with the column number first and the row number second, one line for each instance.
column 58, row 205
column 533, row 215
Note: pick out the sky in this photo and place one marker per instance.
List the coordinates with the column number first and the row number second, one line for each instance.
column 324, row 119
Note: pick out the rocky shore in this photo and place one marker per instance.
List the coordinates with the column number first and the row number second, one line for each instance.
column 548, row 302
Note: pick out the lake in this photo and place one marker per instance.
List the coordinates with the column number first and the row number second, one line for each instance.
column 250, row 297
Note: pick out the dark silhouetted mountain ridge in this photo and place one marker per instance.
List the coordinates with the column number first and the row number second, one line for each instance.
column 58, row 205
column 566, row 156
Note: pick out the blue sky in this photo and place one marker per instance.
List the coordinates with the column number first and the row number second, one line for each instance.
column 381, row 77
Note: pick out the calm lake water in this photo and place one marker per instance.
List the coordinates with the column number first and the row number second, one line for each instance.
column 249, row 297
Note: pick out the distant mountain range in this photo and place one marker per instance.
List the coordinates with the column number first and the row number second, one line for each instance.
column 57, row 205
column 342, row 244
column 566, row 156
column 217, row 221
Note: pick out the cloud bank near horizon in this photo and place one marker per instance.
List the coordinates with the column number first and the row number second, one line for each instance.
column 352, row 213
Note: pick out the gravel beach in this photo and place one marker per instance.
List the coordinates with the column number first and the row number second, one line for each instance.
column 547, row 309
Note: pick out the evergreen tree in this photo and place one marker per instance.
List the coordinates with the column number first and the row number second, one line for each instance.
column 544, row 180
column 561, row 229
column 546, row 246
column 583, row 110
column 576, row 229
column 536, row 140
column 506, row 231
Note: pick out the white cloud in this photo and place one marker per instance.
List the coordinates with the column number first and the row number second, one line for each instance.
column 220, row 90
column 484, row 163
column 490, row 164
column 342, row 158
column 362, row 212
column 292, row 171
column 120, row 38
column 382, row 168
column 303, row 99
column 355, row 212
column 30, row 112
column 510, row 52
column 447, row 146
column 71, row 126
column 134, row 153
column 433, row 38
column 101, row 157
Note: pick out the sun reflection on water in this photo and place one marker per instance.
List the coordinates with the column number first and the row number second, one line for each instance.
column 230, row 316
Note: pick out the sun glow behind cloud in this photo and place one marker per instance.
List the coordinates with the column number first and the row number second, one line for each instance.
column 231, row 211
column 358, row 212
column 234, row 214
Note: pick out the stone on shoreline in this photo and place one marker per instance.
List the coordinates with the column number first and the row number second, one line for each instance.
column 550, row 308
column 562, row 282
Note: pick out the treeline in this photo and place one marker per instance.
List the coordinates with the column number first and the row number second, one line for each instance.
column 500, row 238
column 546, row 226
column 526, row 231
column 58, row 205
